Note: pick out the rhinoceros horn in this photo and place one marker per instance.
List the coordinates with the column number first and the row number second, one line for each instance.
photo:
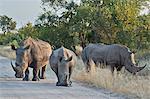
column 140, row 68
column 134, row 69
column 14, row 68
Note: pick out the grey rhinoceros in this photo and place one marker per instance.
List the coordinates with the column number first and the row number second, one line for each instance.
column 31, row 53
column 62, row 62
column 115, row 55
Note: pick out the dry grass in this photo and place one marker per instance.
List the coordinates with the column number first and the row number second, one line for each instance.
column 121, row 83
column 6, row 51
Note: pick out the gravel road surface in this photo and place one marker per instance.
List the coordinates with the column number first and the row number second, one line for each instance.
column 13, row 88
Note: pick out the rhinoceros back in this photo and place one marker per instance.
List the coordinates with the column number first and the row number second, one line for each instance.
column 40, row 51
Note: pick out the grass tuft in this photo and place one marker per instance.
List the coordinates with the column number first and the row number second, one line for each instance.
column 120, row 83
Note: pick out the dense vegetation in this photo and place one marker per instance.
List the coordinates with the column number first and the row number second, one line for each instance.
column 90, row 21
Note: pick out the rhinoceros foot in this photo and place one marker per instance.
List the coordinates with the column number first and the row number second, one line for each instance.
column 42, row 77
column 35, row 79
column 25, row 79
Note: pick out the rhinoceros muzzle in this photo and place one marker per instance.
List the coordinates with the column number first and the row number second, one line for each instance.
column 18, row 70
column 19, row 76
column 134, row 69
column 61, row 84
column 64, row 82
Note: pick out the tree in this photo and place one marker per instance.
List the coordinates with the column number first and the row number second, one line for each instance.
column 28, row 31
column 53, row 26
column 106, row 21
column 7, row 24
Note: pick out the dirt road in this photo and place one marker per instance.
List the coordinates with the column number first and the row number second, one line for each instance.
column 12, row 88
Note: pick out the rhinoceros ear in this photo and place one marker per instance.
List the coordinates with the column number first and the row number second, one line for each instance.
column 134, row 52
column 13, row 47
column 69, row 59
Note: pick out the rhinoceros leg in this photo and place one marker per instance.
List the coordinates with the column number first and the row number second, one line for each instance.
column 35, row 73
column 87, row 66
column 39, row 74
column 112, row 68
column 43, row 73
column 118, row 69
column 70, row 73
column 26, row 78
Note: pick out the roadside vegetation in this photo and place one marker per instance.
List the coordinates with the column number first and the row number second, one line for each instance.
column 6, row 51
column 123, row 82
column 68, row 23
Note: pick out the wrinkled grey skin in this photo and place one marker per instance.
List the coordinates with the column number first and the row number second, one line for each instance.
column 62, row 62
column 31, row 53
column 116, row 56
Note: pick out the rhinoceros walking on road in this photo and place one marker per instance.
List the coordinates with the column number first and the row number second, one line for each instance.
column 115, row 55
column 62, row 62
column 31, row 53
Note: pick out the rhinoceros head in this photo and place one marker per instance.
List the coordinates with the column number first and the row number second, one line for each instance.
column 130, row 63
column 21, row 60
column 63, row 72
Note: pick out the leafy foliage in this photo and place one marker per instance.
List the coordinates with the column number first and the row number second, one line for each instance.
column 100, row 21
column 68, row 23
column 7, row 24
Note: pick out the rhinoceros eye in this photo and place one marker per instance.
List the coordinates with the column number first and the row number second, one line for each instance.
column 22, row 54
